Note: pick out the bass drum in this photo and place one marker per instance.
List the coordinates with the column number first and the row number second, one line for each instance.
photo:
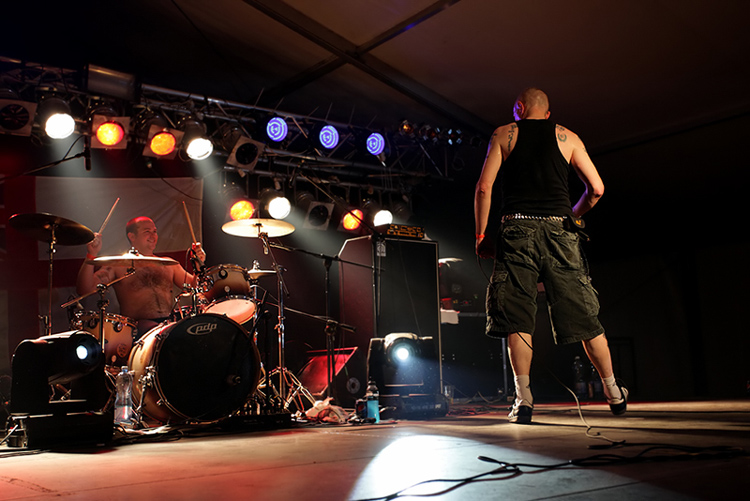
column 199, row 369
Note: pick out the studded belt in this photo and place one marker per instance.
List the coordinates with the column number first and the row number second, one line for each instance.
column 508, row 217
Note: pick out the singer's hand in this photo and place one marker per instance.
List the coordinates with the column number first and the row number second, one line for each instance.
column 199, row 252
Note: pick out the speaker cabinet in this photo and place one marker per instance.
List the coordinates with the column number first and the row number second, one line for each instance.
column 389, row 285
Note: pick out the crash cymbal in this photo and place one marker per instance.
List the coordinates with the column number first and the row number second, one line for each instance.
column 254, row 227
column 41, row 226
column 132, row 259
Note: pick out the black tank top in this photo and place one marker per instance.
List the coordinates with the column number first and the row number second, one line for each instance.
column 534, row 177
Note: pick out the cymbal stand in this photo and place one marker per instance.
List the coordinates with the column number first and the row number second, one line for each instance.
column 102, row 303
column 289, row 386
column 47, row 319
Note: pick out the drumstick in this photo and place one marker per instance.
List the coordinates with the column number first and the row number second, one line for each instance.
column 190, row 225
column 104, row 224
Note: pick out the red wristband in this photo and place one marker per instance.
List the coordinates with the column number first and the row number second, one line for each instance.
column 479, row 235
column 89, row 257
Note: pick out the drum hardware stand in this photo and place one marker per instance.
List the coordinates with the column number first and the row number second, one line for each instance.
column 289, row 386
column 102, row 303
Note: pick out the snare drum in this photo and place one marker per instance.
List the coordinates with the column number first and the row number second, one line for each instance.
column 199, row 369
column 118, row 334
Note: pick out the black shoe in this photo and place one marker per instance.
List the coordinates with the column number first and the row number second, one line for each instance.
column 619, row 405
column 520, row 413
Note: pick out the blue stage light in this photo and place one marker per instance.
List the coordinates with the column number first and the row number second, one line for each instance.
column 375, row 143
column 329, row 137
column 277, row 129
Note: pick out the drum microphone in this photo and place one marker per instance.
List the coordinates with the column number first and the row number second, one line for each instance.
column 87, row 153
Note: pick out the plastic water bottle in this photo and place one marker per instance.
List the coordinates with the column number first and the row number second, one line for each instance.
column 123, row 401
column 580, row 386
column 372, row 396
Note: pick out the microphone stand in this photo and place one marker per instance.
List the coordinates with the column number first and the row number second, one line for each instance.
column 331, row 325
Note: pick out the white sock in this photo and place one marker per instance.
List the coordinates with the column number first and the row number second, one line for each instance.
column 611, row 390
column 523, row 389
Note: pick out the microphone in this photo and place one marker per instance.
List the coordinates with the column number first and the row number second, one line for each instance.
column 87, row 156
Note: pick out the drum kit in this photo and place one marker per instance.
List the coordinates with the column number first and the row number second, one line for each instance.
column 203, row 364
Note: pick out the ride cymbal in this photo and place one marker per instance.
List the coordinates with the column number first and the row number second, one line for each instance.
column 254, row 227
column 42, row 226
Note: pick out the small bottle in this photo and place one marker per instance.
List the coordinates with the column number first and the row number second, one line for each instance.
column 372, row 396
column 580, row 386
column 123, row 401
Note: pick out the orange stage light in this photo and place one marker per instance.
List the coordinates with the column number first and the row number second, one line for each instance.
column 163, row 143
column 352, row 220
column 110, row 133
column 244, row 209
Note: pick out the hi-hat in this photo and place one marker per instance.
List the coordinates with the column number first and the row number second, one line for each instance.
column 256, row 273
column 132, row 259
column 42, row 226
column 254, row 227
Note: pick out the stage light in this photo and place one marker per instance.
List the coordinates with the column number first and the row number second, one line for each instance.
column 376, row 214
column 196, row 144
column 326, row 136
column 375, row 143
column 428, row 133
column 352, row 220
column 56, row 359
column 275, row 203
column 406, row 129
column 40, row 419
column 279, row 208
column 277, row 129
column 55, row 117
column 242, row 209
column 317, row 214
column 163, row 143
column 107, row 129
column 400, row 347
column 455, row 137
column 245, row 153
column 401, row 212
column 109, row 132
column 406, row 370
column 161, row 140
column 382, row 217
column 16, row 116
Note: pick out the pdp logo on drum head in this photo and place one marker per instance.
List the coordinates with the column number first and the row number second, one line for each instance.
column 201, row 329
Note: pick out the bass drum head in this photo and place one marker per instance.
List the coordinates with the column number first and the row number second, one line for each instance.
column 206, row 367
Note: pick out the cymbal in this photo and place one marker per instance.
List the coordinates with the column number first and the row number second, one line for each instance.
column 256, row 273
column 254, row 227
column 41, row 226
column 449, row 260
column 132, row 259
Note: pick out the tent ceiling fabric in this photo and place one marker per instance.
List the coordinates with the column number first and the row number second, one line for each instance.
column 615, row 72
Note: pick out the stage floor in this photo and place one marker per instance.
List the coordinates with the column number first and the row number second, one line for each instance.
column 667, row 450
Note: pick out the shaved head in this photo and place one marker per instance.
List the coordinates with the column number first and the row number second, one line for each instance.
column 531, row 102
